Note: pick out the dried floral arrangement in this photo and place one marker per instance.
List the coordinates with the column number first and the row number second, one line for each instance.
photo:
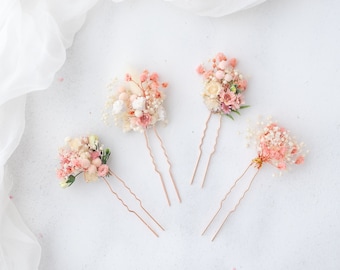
column 138, row 105
column 275, row 146
column 86, row 156
column 223, row 95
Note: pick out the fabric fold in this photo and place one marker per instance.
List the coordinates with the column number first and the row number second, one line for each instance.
column 34, row 36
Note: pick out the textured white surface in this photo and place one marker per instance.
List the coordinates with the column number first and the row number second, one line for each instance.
column 287, row 49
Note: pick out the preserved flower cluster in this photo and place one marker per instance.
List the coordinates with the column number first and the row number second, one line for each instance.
column 136, row 105
column 82, row 155
column 224, row 86
column 276, row 146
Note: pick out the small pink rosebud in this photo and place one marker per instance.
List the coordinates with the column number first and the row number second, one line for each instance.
column 281, row 166
column 223, row 65
column 221, row 57
column 299, row 160
column 165, row 85
column 242, row 84
column 219, row 74
column 232, row 62
column 154, row 77
column 200, row 69
column 103, row 170
column 95, row 154
column 228, row 77
column 85, row 163
column 128, row 77
column 97, row 162
column 143, row 77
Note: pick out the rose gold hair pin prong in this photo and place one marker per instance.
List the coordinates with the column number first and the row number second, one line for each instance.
column 235, row 207
column 156, row 168
column 169, row 164
column 137, row 105
column 87, row 156
column 200, row 148
column 127, row 207
column 225, row 197
column 223, row 93
column 137, row 199
column 276, row 147
column 213, row 151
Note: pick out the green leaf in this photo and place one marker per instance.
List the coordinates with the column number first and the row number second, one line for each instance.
column 237, row 112
column 106, row 155
column 70, row 180
column 232, row 118
column 233, row 88
column 244, row 106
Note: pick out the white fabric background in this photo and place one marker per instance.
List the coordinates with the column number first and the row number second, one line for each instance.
column 288, row 51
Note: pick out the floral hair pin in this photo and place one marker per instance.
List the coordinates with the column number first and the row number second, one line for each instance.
column 223, row 94
column 275, row 146
column 85, row 156
column 138, row 105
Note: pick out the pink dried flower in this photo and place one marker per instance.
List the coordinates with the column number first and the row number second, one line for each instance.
column 97, row 162
column 103, row 170
column 143, row 77
column 138, row 104
column 223, row 65
column 95, row 154
column 81, row 156
column 128, row 77
column 200, row 69
column 233, row 62
column 85, row 163
column 219, row 74
column 242, row 84
column 277, row 147
column 154, row 77
column 299, row 160
column 221, row 57
column 144, row 120
column 231, row 85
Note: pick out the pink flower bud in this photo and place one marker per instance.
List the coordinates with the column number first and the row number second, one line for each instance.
column 232, row 62
column 128, row 77
column 200, row 69
column 219, row 74
column 103, row 170
column 97, row 162
column 92, row 169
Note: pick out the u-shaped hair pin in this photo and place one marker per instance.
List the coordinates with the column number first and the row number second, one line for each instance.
column 223, row 94
column 137, row 104
column 86, row 156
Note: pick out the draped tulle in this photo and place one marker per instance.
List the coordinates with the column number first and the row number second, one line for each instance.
column 215, row 8
column 34, row 36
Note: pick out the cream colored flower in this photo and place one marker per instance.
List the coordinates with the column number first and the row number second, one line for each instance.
column 212, row 104
column 74, row 144
column 212, row 89
column 93, row 141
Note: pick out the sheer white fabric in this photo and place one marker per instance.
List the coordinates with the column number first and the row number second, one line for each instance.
column 215, row 8
column 33, row 38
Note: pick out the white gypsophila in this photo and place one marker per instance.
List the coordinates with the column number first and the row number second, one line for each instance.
column 139, row 104
column 161, row 113
column 117, row 106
